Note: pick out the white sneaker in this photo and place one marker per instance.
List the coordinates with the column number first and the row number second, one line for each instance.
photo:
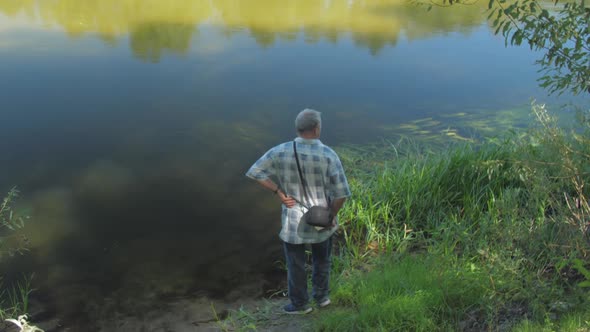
column 292, row 310
column 324, row 303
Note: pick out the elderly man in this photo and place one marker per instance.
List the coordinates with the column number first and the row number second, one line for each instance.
column 320, row 170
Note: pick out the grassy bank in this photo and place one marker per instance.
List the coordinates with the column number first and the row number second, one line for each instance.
column 475, row 237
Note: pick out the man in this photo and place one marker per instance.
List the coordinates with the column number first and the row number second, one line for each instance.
column 322, row 171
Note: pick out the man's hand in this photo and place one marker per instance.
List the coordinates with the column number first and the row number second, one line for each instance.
column 287, row 200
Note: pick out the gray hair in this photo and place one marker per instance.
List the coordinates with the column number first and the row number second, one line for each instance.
column 307, row 120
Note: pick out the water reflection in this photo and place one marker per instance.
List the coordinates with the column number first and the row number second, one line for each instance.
column 149, row 40
column 154, row 26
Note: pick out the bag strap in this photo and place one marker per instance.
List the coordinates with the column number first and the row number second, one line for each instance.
column 300, row 175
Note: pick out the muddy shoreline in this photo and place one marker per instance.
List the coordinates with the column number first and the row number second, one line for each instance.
column 130, row 309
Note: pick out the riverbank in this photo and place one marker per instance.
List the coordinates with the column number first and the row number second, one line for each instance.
column 184, row 313
column 490, row 236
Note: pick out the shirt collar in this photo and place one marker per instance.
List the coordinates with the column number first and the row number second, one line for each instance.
column 307, row 140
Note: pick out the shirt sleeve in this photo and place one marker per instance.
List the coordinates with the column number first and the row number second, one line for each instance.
column 263, row 168
column 338, row 183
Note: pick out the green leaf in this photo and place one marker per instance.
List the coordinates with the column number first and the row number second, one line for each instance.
column 578, row 44
column 510, row 9
column 579, row 266
column 516, row 38
column 498, row 29
column 506, row 28
column 532, row 6
column 492, row 12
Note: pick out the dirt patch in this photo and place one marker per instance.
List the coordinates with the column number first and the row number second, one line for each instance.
column 268, row 315
column 177, row 315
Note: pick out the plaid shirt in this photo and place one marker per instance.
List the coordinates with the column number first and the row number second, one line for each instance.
column 325, row 179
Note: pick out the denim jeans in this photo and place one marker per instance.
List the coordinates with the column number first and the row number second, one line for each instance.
column 297, row 276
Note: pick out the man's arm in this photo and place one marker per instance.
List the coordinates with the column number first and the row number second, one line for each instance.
column 261, row 171
column 270, row 185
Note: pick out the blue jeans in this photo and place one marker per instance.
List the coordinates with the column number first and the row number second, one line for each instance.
column 297, row 276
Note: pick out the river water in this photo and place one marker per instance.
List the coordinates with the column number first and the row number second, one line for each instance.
column 128, row 126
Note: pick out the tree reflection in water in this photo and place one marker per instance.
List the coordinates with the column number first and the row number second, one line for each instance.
column 149, row 40
column 155, row 26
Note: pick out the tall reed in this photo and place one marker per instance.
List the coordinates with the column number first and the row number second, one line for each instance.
column 514, row 207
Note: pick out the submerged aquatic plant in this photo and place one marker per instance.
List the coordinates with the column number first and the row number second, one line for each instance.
column 11, row 243
column 13, row 300
column 23, row 325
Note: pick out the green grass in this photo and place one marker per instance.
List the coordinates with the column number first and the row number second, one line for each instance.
column 14, row 299
column 507, row 217
column 572, row 322
column 413, row 293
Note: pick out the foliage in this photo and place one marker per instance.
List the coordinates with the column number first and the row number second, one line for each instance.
column 414, row 293
column 10, row 222
column 578, row 264
column 572, row 322
column 514, row 208
column 430, row 190
column 561, row 33
column 13, row 299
